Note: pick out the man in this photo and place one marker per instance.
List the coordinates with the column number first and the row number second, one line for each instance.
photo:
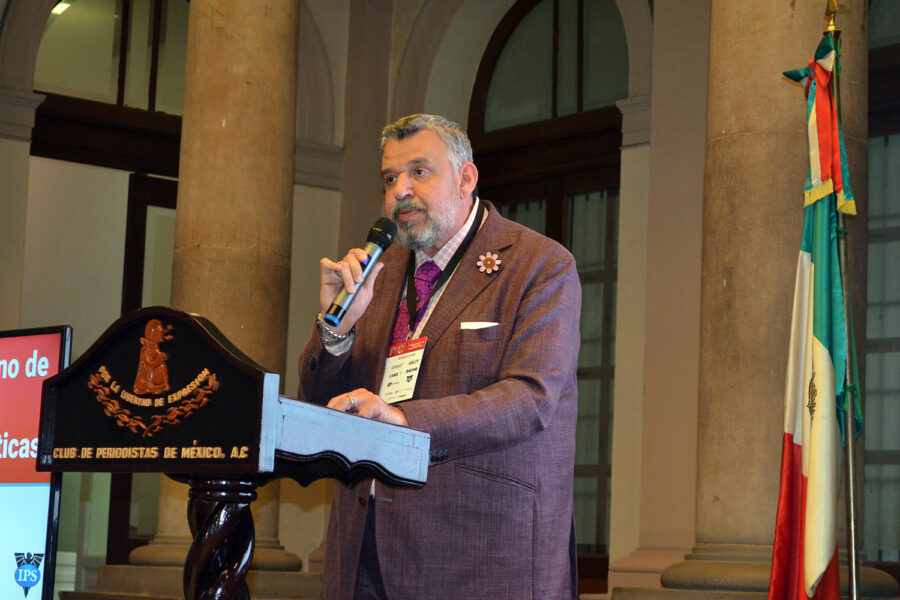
column 495, row 388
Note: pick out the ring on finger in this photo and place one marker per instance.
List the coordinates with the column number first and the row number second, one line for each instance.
column 352, row 402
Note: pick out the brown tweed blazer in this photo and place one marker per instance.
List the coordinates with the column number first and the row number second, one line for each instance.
column 495, row 518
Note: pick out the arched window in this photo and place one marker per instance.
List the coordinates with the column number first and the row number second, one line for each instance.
column 547, row 136
column 562, row 58
column 124, row 52
column 881, row 535
column 113, row 74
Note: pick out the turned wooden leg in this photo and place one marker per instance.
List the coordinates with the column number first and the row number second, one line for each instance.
column 219, row 559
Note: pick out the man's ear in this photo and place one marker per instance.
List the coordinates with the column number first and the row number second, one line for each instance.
column 468, row 179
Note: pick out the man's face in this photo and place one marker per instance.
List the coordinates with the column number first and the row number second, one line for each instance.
column 427, row 198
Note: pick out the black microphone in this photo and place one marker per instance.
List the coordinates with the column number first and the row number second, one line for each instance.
column 380, row 237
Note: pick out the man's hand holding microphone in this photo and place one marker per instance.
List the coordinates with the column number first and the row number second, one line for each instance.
column 345, row 293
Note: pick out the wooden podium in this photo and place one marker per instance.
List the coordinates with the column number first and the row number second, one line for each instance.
column 164, row 391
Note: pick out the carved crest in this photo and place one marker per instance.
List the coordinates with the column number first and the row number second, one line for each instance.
column 150, row 381
column 152, row 374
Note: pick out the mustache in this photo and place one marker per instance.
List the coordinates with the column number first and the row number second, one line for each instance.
column 407, row 204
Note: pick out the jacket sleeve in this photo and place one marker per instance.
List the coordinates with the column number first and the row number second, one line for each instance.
column 320, row 372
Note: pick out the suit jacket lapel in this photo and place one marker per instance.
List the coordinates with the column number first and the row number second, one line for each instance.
column 468, row 281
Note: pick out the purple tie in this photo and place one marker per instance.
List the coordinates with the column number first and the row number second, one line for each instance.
column 426, row 275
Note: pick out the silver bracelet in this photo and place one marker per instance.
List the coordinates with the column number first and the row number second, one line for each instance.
column 328, row 336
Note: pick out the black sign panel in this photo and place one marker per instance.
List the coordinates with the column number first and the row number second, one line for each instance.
column 161, row 390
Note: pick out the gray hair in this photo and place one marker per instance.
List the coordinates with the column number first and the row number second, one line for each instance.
column 459, row 149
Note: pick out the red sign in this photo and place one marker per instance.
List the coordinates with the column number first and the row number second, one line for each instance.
column 24, row 364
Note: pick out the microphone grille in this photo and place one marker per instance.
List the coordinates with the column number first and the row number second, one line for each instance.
column 382, row 233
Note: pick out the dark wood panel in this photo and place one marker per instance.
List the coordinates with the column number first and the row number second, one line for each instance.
column 593, row 571
column 529, row 153
column 594, row 122
column 884, row 91
column 106, row 135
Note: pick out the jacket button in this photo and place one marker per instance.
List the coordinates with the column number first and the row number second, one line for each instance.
column 362, row 501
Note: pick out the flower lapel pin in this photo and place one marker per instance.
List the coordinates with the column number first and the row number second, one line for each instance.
column 488, row 263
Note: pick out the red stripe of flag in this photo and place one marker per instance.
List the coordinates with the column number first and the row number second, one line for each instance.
column 786, row 580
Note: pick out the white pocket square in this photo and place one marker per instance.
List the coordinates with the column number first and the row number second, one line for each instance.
column 477, row 324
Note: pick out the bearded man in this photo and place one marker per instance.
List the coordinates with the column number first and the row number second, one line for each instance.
column 497, row 308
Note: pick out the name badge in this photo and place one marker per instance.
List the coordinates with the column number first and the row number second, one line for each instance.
column 402, row 370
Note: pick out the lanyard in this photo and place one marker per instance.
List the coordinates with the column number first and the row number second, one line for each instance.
column 411, row 300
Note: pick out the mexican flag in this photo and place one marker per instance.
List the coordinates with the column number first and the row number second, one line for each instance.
column 804, row 560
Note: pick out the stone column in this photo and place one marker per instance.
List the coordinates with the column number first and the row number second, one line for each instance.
column 365, row 114
column 624, row 511
column 756, row 161
column 233, row 227
column 654, row 443
column 17, row 110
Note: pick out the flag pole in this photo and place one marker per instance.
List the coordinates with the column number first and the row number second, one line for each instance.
column 849, row 388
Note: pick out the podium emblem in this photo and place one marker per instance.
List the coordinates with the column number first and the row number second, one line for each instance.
column 152, row 374
column 151, row 382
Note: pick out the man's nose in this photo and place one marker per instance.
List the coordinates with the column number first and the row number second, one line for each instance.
column 403, row 186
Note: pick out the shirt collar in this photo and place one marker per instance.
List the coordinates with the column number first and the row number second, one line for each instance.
column 443, row 256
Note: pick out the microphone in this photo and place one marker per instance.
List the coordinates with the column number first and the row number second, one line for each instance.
column 380, row 237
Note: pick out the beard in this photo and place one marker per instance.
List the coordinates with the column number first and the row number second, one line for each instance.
column 421, row 236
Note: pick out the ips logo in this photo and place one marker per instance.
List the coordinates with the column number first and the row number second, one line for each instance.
column 28, row 573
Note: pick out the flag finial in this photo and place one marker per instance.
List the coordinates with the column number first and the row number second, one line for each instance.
column 831, row 9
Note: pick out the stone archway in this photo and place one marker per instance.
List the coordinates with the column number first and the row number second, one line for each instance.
column 437, row 68
column 317, row 158
column 315, row 88
column 638, row 24
column 439, row 64
column 411, row 80
column 20, row 38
